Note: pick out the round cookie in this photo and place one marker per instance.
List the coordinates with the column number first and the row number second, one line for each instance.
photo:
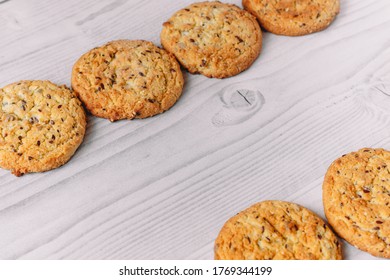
column 214, row 39
column 356, row 196
column 276, row 230
column 42, row 125
column 127, row 79
column 293, row 17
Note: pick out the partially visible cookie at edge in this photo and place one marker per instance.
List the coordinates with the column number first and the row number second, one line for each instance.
column 214, row 39
column 127, row 79
column 276, row 230
column 293, row 18
column 42, row 125
column 356, row 197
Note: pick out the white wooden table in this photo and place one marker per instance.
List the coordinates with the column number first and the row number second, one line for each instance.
column 161, row 188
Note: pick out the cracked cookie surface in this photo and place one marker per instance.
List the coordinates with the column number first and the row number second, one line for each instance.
column 293, row 17
column 42, row 125
column 356, row 197
column 276, row 230
column 127, row 79
column 214, row 39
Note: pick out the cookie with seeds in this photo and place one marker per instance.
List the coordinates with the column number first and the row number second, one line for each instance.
column 356, row 197
column 214, row 39
column 276, row 230
column 293, row 17
column 42, row 125
column 127, row 79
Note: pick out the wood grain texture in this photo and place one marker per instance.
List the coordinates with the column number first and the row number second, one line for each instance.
column 161, row 188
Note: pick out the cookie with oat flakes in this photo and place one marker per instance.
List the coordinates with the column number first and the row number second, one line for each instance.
column 356, row 197
column 127, row 79
column 293, row 17
column 42, row 125
column 214, row 39
column 276, row 230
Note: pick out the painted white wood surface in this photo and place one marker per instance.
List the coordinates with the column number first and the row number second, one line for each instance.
column 161, row 188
